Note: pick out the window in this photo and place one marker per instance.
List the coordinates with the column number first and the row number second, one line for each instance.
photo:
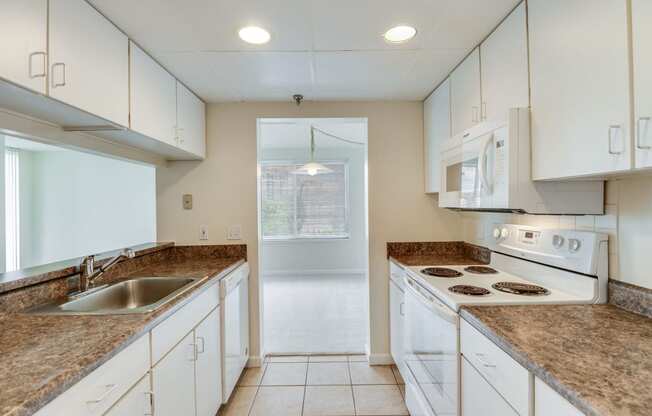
column 12, row 209
column 301, row 206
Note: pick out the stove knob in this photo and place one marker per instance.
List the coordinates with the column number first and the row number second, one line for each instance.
column 557, row 241
column 496, row 233
column 504, row 233
column 574, row 244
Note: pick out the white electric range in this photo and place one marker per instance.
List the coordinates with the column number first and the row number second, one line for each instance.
column 528, row 265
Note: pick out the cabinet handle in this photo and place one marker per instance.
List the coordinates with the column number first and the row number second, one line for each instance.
column 400, row 309
column 149, row 410
column 203, row 345
column 474, row 114
column 612, row 128
column 483, row 111
column 56, row 84
column 193, row 352
column 31, row 65
column 638, row 132
column 110, row 388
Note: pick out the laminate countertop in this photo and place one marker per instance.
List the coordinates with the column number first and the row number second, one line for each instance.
column 599, row 357
column 41, row 356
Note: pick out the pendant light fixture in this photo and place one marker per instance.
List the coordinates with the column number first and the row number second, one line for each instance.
column 312, row 168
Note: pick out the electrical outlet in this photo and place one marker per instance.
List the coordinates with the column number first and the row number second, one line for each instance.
column 203, row 232
column 235, row 232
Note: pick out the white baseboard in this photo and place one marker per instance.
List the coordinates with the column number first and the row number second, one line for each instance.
column 313, row 272
column 256, row 361
column 380, row 359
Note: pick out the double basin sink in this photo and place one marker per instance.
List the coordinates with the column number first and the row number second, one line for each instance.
column 139, row 295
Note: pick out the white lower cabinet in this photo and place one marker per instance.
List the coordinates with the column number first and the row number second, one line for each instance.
column 479, row 398
column 174, row 380
column 138, row 401
column 548, row 402
column 396, row 318
column 207, row 372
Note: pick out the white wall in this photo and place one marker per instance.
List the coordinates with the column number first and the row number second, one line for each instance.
column 76, row 203
column 224, row 190
column 628, row 221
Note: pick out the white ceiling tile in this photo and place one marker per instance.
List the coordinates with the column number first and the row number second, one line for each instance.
column 330, row 50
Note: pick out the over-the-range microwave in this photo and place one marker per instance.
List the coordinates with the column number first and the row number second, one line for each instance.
column 487, row 168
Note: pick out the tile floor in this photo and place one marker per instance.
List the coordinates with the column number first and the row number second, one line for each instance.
column 318, row 386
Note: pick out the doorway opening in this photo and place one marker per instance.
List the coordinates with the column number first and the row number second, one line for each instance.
column 313, row 235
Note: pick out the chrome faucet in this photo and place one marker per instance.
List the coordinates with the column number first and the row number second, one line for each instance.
column 89, row 273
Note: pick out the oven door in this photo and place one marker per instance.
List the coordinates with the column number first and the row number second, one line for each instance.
column 431, row 353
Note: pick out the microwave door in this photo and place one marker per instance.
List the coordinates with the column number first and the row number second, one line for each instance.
column 486, row 163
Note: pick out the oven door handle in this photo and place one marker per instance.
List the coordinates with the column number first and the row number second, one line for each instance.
column 430, row 302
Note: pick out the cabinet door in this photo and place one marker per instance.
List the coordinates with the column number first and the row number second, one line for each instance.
column 437, row 128
column 479, row 398
column 191, row 120
column 580, row 98
column 548, row 402
column 642, row 42
column 89, row 61
column 209, row 369
column 23, row 42
column 153, row 98
column 504, row 67
column 465, row 93
column 173, row 380
column 396, row 323
column 137, row 401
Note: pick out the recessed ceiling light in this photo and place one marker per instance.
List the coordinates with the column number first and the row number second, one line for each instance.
column 254, row 34
column 399, row 34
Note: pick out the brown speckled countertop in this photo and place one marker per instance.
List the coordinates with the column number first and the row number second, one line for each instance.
column 437, row 253
column 599, row 357
column 42, row 356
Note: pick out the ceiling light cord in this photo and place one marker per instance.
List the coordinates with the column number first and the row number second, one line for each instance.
column 325, row 133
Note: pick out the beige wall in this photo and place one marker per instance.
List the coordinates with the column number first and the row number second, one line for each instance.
column 628, row 221
column 224, row 189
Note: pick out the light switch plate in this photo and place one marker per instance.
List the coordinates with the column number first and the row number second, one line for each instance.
column 187, row 201
column 235, row 232
column 203, row 232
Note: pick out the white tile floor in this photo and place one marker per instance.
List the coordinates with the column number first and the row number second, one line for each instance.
column 318, row 386
column 326, row 314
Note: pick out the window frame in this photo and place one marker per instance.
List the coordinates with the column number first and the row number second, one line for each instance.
column 295, row 237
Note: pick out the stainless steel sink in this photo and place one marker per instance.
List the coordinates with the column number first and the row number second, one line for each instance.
column 139, row 295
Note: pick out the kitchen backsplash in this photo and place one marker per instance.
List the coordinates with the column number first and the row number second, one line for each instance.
column 627, row 221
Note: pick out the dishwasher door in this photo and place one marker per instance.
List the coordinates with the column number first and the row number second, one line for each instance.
column 235, row 324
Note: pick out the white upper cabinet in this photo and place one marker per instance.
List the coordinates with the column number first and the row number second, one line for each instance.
column 579, row 62
column 465, row 93
column 437, row 128
column 23, row 42
column 504, row 67
column 642, row 43
column 89, row 61
column 191, row 121
column 153, row 98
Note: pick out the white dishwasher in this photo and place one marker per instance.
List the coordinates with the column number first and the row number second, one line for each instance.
column 234, row 298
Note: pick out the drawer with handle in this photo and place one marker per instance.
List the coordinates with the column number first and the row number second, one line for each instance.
column 507, row 376
column 98, row 391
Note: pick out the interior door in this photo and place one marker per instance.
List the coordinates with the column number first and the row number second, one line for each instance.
column 505, row 75
column 89, row 61
column 23, row 42
column 642, row 42
column 580, row 93
column 465, row 93
column 173, row 380
column 209, row 371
